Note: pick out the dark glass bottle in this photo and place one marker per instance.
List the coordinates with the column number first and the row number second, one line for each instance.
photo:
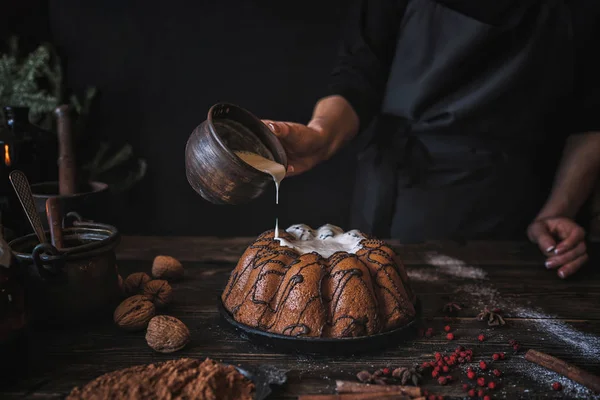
column 29, row 148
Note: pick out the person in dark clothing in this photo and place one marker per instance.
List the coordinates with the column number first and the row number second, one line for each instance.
column 463, row 105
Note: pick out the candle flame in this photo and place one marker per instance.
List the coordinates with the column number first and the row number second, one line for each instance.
column 7, row 160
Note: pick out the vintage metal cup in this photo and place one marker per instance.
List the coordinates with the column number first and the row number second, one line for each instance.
column 91, row 200
column 76, row 283
column 212, row 167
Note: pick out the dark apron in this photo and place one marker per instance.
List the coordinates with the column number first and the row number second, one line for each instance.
column 467, row 106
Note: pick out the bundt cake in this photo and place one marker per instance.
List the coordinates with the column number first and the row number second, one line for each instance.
column 319, row 283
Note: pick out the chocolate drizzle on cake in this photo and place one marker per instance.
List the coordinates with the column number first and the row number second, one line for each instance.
column 282, row 290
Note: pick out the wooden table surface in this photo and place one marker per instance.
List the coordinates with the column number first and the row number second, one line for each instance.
column 558, row 317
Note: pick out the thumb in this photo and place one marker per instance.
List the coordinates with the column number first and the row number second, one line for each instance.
column 540, row 234
column 280, row 129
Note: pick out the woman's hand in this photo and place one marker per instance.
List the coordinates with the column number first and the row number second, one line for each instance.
column 563, row 243
column 305, row 145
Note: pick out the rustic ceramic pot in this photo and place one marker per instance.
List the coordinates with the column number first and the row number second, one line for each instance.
column 212, row 168
column 76, row 283
column 92, row 201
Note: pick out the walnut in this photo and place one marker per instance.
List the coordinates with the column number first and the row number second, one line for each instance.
column 134, row 283
column 167, row 267
column 167, row 334
column 134, row 313
column 159, row 291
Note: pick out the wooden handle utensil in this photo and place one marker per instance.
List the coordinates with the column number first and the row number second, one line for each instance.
column 66, row 157
column 54, row 215
column 572, row 372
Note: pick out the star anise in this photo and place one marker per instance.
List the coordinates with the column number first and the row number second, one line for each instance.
column 452, row 307
column 493, row 318
column 406, row 375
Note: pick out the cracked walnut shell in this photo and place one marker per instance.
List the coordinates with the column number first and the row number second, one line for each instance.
column 167, row 267
column 134, row 313
column 167, row 334
column 160, row 291
column 135, row 282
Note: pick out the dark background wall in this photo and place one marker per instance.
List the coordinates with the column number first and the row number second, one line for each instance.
column 159, row 66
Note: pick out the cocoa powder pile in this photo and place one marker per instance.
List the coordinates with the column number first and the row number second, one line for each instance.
column 176, row 379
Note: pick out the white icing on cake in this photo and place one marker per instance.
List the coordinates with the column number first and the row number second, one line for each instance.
column 325, row 241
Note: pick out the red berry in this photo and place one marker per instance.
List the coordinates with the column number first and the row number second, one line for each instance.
column 438, row 356
column 495, row 356
column 482, row 365
column 502, row 355
column 497, row 372
column 440, row 363
column 461, row 360
column 463, row 354
column 386, row 371
column 481, row 338
column 480, row 393
column 442, row 380
column 459, row 349
column 432, row 397
column 465, row 387
column 556, row 386
column 487, row 397
column 471, row 375
column 439, row 397
column 449, row 378
column 471, row 393
column 425, row 365
column 512, row 342
column 435, row 374
column 492, row 385
column 516, row 347
column 469, row 352
column 450, row 336
column 481, row 381
column 432, row 364
column 469, row 358
column 445, row 368
column 446, row 358
column 447, row 328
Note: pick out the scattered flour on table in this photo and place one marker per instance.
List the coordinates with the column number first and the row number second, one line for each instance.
column 585, row 344
column 423, row 275
column 545, row 378
column 454, row 267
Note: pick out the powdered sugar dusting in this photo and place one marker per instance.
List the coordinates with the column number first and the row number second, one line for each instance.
column 423, row 275
column 454, row 267
column 585, row 344
column 546, row 377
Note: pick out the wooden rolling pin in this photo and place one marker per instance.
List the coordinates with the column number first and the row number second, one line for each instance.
column 572, row 372
column 67, row 174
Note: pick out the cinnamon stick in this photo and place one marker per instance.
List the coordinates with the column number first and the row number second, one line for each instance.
column 66, row 156
column 358, row 396
column 356, row 387
column 559, row 366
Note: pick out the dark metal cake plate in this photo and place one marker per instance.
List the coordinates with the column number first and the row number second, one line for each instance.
column 321, row 346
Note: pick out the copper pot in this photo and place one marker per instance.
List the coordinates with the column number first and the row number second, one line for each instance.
column 73, row 284
column 212, row 168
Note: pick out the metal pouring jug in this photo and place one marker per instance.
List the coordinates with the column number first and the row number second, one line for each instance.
column 212, row 167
